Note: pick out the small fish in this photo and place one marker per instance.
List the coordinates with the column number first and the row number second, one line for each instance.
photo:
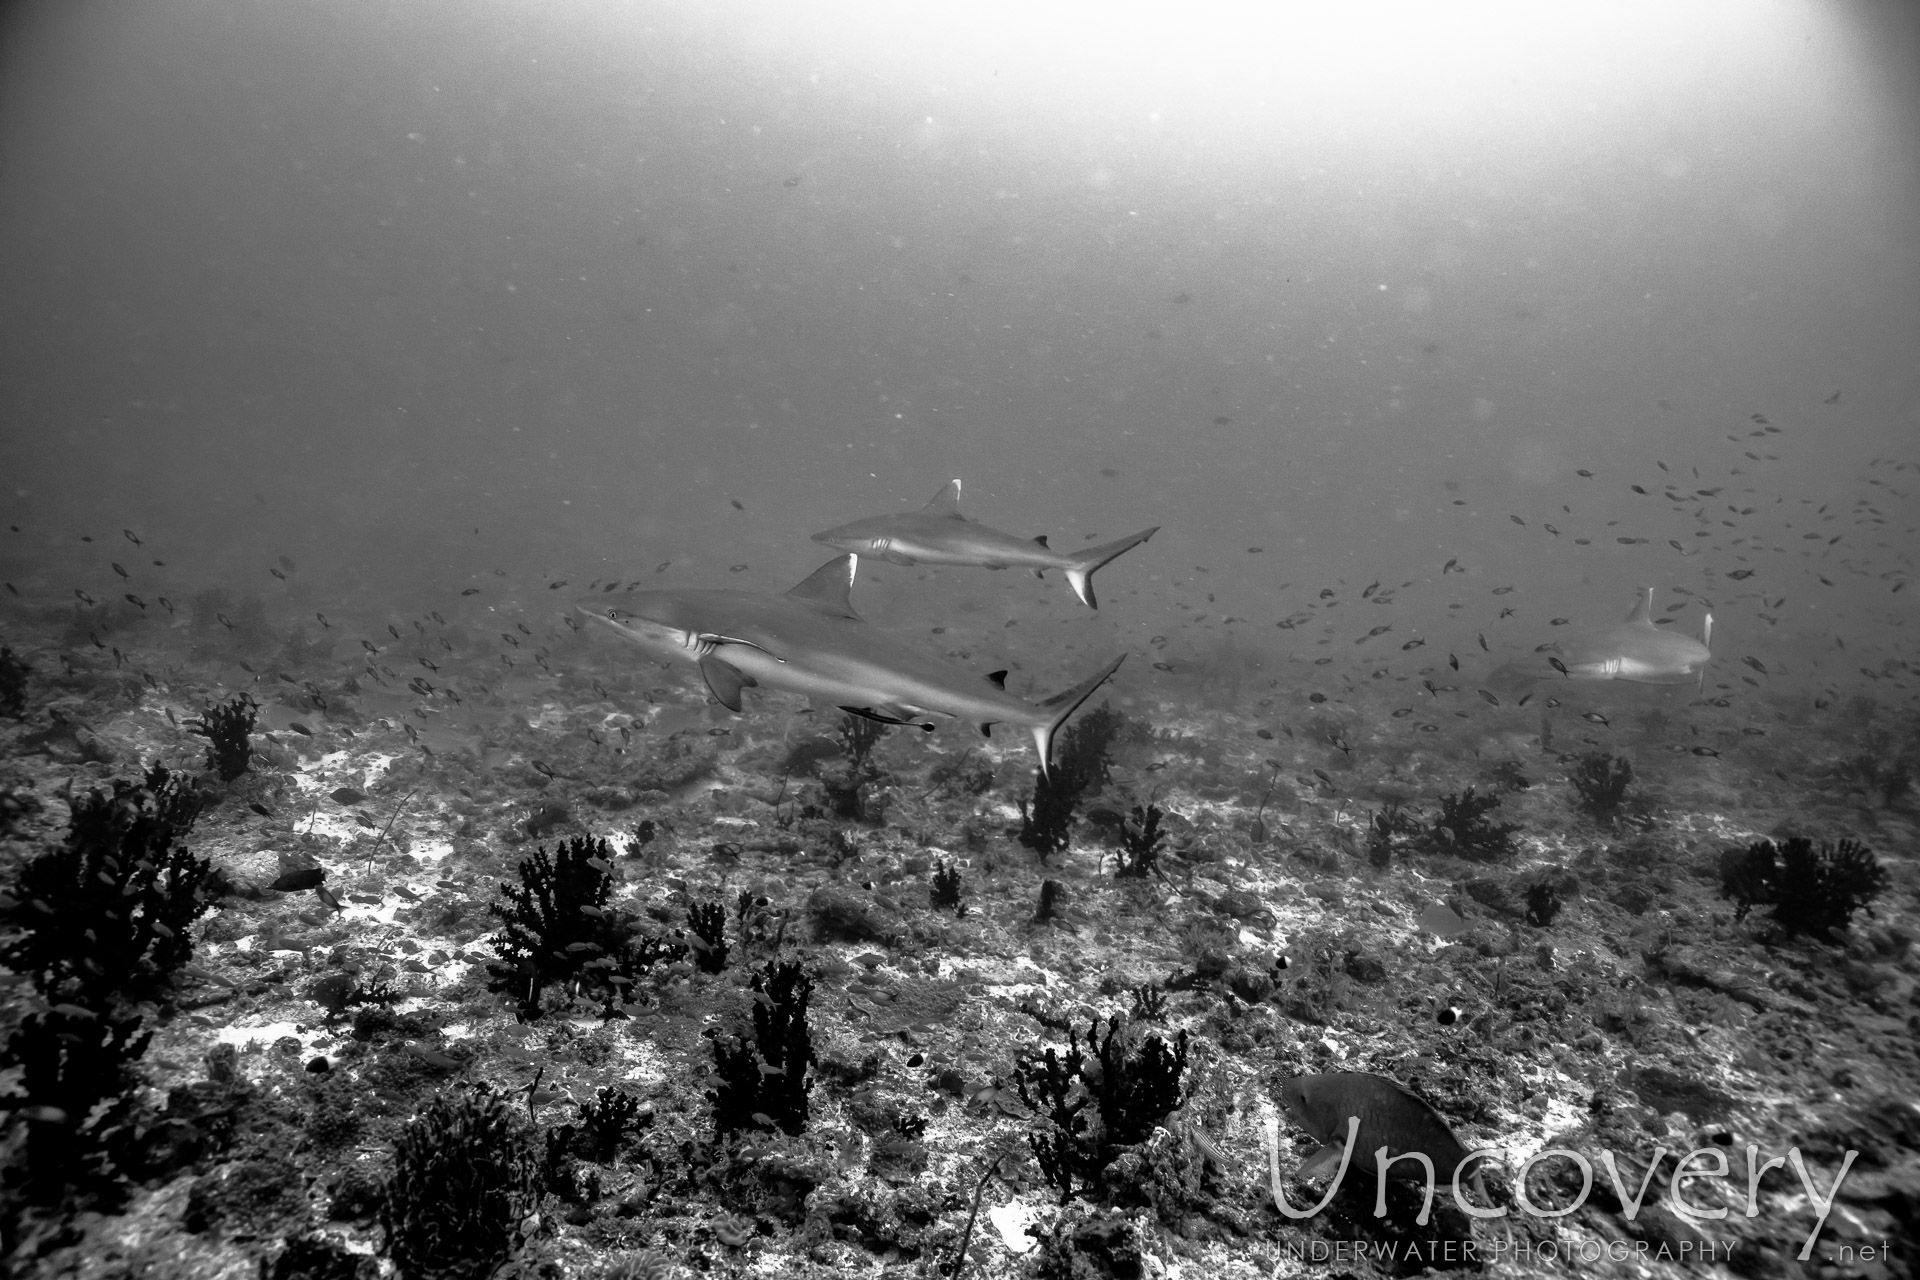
column 136, row 541
column 1517, row 520
column 299, row 728
column 1403, row 713
column 1501, row 591
column 1584, row 472
column 276, row 573
column 542, row 768
column 1371, row 588
column 1740, row 574
column 368, row 646
column 260, row 809
column 1488, row 697
column 1379, row 631
column 1483, row 642
column 136, row 600
column 1595, row 717
column 1163, row 666
column 1637, row 489
column 322, row 618
column 1553, row 702
column 326, row 896
column 471, row 591
column 1550, row 529
column 1705, row 751
column 1558, row 622
column 122, row 572
column 1449, row 566
column 555, row 586
column 1412, row 644
column 224, row 621
column 347, row 795
column 1756, row 664
column 393, row 631
column 1559, row 666
column 1453, row 662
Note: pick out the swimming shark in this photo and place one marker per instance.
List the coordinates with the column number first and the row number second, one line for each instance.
column 1637, row 650
column 810, row 641
column 939, row 534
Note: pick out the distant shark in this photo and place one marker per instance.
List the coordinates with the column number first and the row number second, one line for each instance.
column 939, row 534
column 1637, row 650
column 810, row 641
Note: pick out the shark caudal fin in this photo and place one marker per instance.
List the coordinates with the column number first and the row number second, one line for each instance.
column 1706, row 642
column 1065, row 704
column 1080, row 572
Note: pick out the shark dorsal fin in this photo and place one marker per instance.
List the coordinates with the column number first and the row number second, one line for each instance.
column 1642, row 615
column 998, row 679
column 826, row 587
column 947, row 501
column 1041, row 538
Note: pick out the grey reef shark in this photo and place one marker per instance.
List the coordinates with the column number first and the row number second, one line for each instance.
column 1639, row 651
column 939, row 534
column 810, row 641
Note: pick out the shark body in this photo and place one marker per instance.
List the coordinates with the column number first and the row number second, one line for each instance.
column 1637, row 650
column 939, row 534
column 810, row 641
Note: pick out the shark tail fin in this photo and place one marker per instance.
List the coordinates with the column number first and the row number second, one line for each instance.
column 1080, row 572
column 1064, row 704
column 1706, row 642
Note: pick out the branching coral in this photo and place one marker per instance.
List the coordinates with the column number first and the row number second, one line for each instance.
column 1083, row 768
column 465, row 1178
column 945, row 892
column 764, row 1085
column 708, row 920
column 849, row 795
column 1601, row 781
column 106, row 916
column 226, row 729
column 555, row 920
column 1130, row 1085
column 1464, row 830
column 1809, row 889
column 1140, row 841
column 13, row 684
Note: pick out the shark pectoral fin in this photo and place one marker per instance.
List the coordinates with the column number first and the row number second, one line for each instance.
column 998, row 679
column 895, row 557
column 1321, row 1162
column 890, row 715
column 724, row 681
column 713, row 638
column 986, row 728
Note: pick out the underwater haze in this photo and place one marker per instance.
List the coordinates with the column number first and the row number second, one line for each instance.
column 404, row 372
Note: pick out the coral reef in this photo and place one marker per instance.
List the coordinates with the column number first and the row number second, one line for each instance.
column 850, row 793
column 13, row 684
column 764, row 1085
column 555, row 921
column 1140, row 841
column 463, row 1188
column 1091, row 1110
column 226, row 728
column 708, row 920
column 104, row 918
column 1810, row 889
column 1463, row 828
column 1601, row 782
column 944, row 894
column 1083, row 768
